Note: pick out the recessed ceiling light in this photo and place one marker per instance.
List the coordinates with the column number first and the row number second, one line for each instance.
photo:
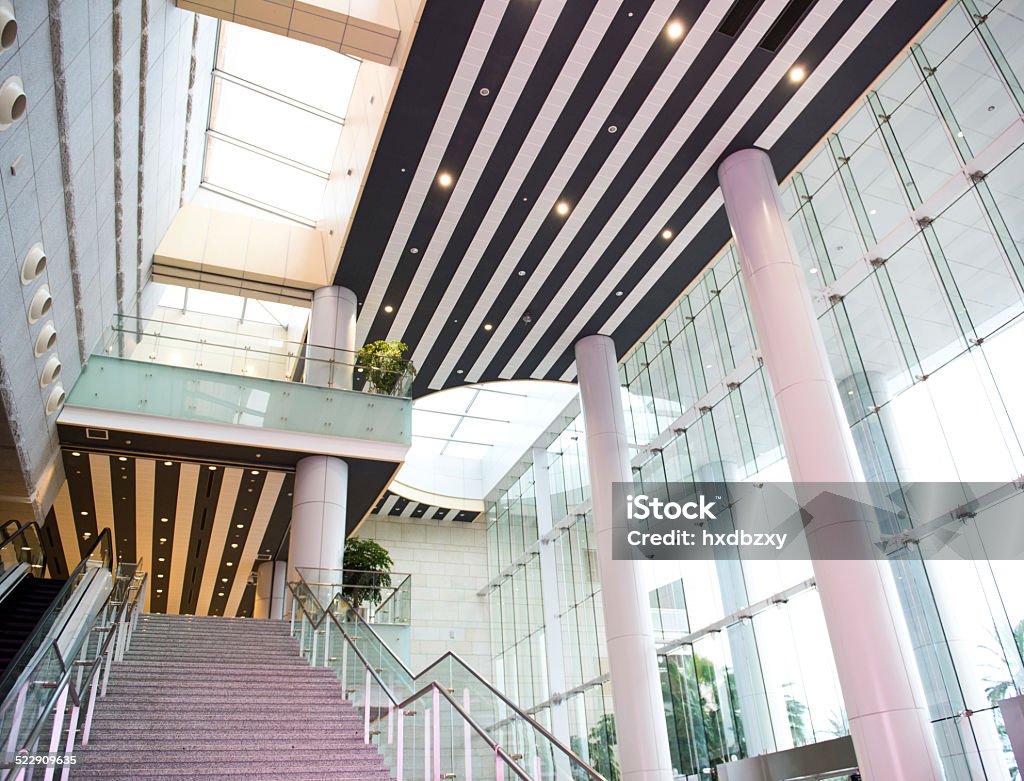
column 86, row 535
column 223, row 580
column 959, row 134
column 488, row 326
column 163, row 539
column 389, row 309
column 84, row 512
column 161, row 559
column 522, row 273
column 75, row 453
column 618, row 293
column 445, row 180
column 122, row 458
column 814, row 271
column 254, row 472
column 163, row 520
column 797, row 74
column 220, row 593
column 666, row 234
column 168, row 463
column 240, row 526
column 674, row 30
column 159, row 574
column 234, row 545
column 613, row 128
column 159, row 591
column 228, row 564
column 562, row 208
column 403, row 170
column 484, row 91
column 458, row 371
column 414, row 250
column 212, row 468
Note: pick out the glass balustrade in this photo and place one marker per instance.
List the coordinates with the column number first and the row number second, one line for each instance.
column 445, row 720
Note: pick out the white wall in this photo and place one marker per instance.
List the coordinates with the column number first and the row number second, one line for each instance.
column 448, row 564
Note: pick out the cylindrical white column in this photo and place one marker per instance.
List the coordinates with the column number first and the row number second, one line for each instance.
column 270, row 590
column 332, row 338
column 636, row 686
column 886, row 708
column 319, row 503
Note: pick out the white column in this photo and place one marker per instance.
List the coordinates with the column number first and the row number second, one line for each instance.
column 270, row 590
column 332, row 338
column 317, row 538
column 636, row 685
column 884, row 701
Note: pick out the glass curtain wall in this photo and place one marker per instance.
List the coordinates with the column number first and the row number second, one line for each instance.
column 909, row 222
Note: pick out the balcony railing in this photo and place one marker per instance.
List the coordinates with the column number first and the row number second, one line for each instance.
column 194, row 347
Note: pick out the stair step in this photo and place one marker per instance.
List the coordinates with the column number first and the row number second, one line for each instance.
column 284, row 768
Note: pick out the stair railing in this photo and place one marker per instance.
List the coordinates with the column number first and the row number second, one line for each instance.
column 418, row 727
column 79, row 674
column 534, row 750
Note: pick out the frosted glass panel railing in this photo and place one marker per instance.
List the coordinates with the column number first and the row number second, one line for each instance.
column 251, row 355
column 199, row 395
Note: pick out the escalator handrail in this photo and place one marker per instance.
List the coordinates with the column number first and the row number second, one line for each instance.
column 128, row 604
column 35, row 640
column 6, row 536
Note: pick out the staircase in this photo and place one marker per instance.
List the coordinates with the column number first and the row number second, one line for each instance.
column 224, row 698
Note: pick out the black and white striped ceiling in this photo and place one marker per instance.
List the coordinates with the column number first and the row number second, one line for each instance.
column 396, row 506
column 620, row 109
column 200, row 528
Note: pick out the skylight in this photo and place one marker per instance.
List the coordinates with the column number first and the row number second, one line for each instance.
column 276, row 112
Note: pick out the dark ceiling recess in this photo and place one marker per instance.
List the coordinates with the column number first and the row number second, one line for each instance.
column 737, row 17
column 790, row 17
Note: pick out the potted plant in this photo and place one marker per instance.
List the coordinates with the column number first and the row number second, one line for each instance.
column 367, row 568
column 385, row 366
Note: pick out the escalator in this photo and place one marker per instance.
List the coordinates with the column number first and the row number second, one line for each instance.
column 20, row 611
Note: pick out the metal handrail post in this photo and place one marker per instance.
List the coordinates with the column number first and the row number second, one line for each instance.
column 437, row 734
column 366, row 709
column 400, row 739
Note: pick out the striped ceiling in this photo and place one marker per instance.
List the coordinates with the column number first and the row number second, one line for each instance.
column 199, row 528
column 398, row 506
column 602, row 106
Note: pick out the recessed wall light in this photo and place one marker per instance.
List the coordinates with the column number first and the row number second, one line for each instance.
column 674, row 30
column 445, row 179
column 797, row 74
column 562, row 208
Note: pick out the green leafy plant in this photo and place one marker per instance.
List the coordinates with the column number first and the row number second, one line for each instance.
column 367, row 566
column 385, row 365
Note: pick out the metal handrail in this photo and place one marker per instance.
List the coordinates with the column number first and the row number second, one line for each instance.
column 433, row 686
column 490, row 687
column 568, row 752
